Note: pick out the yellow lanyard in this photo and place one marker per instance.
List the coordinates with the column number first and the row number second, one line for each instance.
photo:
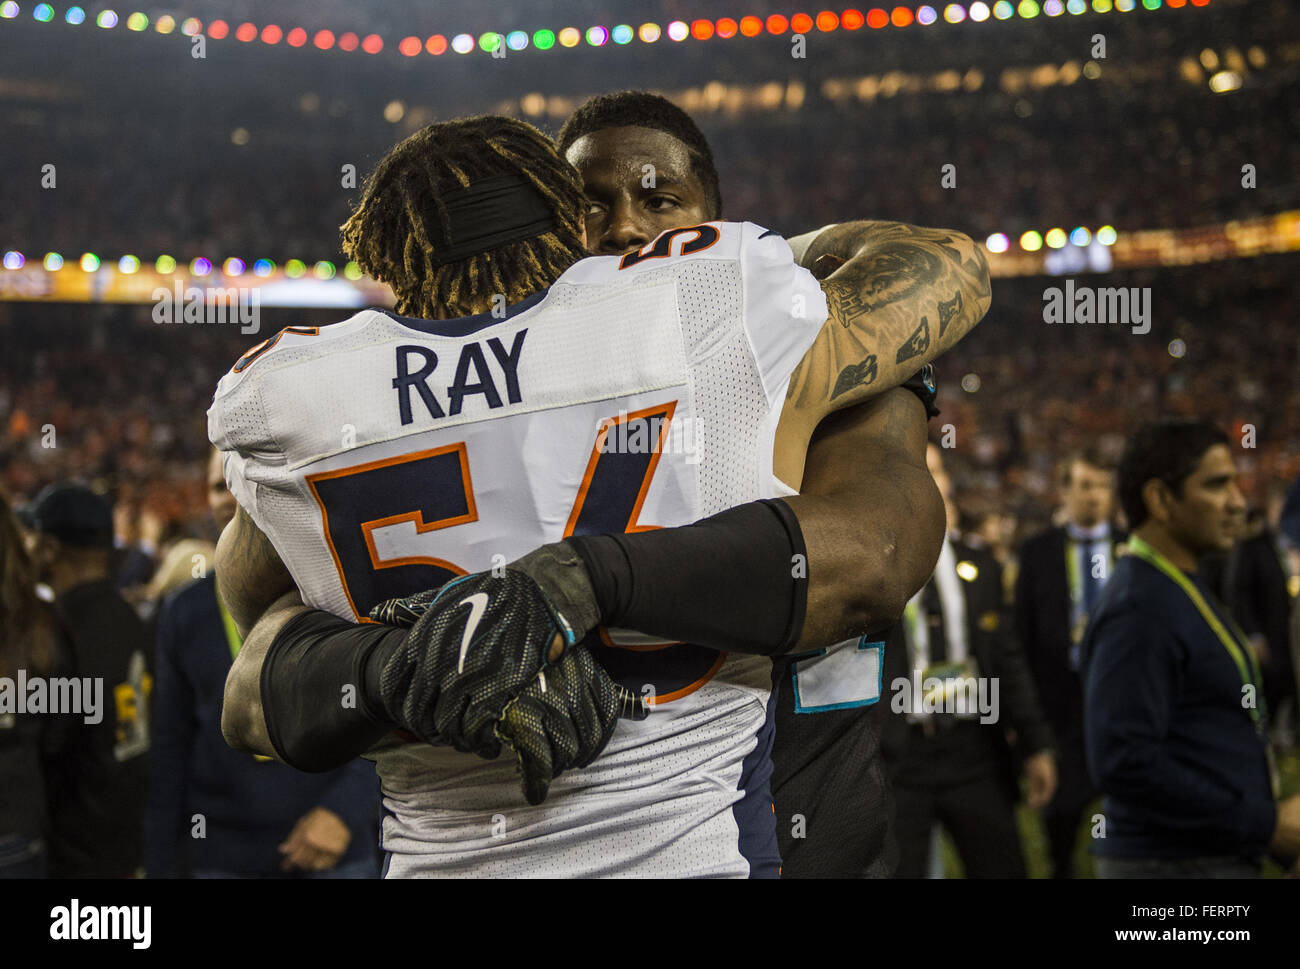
column 1234, row 642
column 1239, row 649
column 232, row 631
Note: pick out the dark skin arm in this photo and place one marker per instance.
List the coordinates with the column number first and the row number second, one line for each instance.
column 871, row 515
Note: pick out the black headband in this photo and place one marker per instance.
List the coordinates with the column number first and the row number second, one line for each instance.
column 491, row 212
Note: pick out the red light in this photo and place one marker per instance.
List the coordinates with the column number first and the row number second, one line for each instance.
column 297, row 37
column 702, row 29
column 271, row 34
column 437, row 44
column 373, row 44
column 751, row 26
column 827, row 21
column 877, row 18
column 1200, row 3
column 776, row 24
column 801, row 23
column 727, row 27
column 902, row 17
column 410, row 46
column 1175, row 3
column 246, row 32
column 218, row 29
column 324, row 39
column 348, row 41
column 852, row 19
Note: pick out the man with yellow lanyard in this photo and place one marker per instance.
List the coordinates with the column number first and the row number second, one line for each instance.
column 1174, row 710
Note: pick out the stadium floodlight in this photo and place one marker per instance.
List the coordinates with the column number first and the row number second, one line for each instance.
column 979, row 12
column 677, row 30
column 998, row 242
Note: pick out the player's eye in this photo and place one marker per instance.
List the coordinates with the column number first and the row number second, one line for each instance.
column 660, row 203
column 594, row 208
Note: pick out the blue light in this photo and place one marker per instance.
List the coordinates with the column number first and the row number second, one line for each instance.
column 622, row 34
column 517, row 39
column 75, row 15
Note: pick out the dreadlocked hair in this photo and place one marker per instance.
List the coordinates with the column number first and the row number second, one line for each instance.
column 388, row 232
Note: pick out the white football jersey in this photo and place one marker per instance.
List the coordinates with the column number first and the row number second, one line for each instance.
column 385, row 455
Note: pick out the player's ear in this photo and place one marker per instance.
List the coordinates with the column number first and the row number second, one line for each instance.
column 584, row 235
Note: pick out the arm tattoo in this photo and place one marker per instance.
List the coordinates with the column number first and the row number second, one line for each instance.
column 894, row 280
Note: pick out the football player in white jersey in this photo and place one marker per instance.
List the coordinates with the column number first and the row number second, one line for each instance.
column 355, row 458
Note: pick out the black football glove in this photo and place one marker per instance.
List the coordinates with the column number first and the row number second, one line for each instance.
column 564, row 719
column 477, row 642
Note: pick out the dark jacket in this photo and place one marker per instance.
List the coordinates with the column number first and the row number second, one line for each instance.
column 96, row 783
column 996, row 649
column 1168, row 739
column 1041, row 613
column 248, row 806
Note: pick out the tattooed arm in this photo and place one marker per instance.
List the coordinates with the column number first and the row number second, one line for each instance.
column 898, row 296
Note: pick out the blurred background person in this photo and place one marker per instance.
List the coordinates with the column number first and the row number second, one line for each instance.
column 949, row 766
column 1061, row 573
column 1175, row 721
column 215, row 812
column 96, row 783
column 28, row 641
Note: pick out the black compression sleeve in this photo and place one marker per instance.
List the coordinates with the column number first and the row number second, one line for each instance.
column 320, row 689
column 736, row 581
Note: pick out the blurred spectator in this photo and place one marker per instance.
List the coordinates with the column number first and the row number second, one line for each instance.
column 956, row 765
column 217, row 812
column 1175, row 726
column 28, row 642
column 96, row 784
column 1061, row 574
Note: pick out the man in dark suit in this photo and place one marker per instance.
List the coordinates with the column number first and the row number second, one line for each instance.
column 951, row 760
column 1061, row 574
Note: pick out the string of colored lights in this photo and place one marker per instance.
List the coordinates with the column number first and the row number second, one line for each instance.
column 703, row 29
column 1054, row 252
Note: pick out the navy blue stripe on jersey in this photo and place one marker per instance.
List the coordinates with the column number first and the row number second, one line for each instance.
column 467, row 325
column 754, row 813
column 770, row 232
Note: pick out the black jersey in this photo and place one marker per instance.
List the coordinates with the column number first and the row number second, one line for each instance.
column 829, row 785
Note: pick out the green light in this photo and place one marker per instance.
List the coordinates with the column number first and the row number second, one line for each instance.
column 1101, row 6
column 1031, row 241
column 1107, row 235
column 89, row 262
column 544, row 39
column 137, row 21
column 165, row 265
column 489, row 42
column 1151, row 4
column 294, row 268
column 352, row 271
column 324, row 270
column 1027, row 9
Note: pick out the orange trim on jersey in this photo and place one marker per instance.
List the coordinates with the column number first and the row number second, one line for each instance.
column 246, row 361
column 421, row 526
column 648, row 251
column 667, row 410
